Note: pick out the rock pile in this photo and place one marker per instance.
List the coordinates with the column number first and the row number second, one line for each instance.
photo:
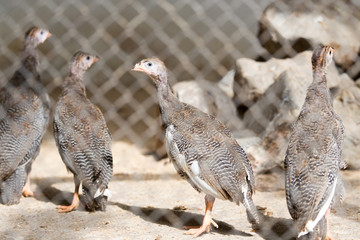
column 292, row 25
column 272, row 110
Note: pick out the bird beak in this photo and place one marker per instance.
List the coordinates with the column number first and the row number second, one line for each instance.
column 96, row 58
column 138, row 68
column 48, row 35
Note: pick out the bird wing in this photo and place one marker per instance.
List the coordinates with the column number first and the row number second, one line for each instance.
column 338, row 133
column 21, row 128
column 205, row 151
column 185, row 156
column 311, row 178
column 83, row 140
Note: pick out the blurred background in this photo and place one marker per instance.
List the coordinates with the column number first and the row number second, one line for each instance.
column 197, row 40
column 246, row 62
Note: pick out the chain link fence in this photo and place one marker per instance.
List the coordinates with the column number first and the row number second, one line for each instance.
column 197, row 40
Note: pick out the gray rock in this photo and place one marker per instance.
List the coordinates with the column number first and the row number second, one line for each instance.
column 293, row 26
column 358, row 82
column 271, row 117
column 347, row 105
column 226, row 84
column 253, row 78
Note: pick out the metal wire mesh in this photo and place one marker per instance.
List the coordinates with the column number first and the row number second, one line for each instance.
column 196, row 39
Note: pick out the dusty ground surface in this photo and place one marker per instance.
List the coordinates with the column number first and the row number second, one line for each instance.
column 151, row 202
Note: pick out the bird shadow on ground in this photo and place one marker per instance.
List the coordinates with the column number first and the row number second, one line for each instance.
column 178, row 218
column 273, row 228
column 344, row 210
column 47, row 193
column 144, row 176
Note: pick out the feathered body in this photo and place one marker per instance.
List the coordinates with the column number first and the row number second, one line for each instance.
column 201, row 148
column 82, row 136
column 24, row 116
column 313, row 158
column 205, row 153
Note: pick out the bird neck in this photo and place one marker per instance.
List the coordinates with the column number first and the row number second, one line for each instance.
column 318, row 88
column 74, row 82
column 28, row 72
column 168, row 102
column 29, row 51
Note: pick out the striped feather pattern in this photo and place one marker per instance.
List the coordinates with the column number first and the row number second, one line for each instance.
column 83, row 139
column 24, row 116
column 313, row 158
column 201, row 148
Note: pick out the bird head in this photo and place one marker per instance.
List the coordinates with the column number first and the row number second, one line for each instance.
column 81, row 61
column 153, row 67
column 322, row 57
column 35, row 36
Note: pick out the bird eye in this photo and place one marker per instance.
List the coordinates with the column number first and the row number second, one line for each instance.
column 42, row 32
column 149, row 64
column 88, row 58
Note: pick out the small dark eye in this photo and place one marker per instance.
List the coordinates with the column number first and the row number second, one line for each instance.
column 149, row 64
column 42, row 32
column 88, row 58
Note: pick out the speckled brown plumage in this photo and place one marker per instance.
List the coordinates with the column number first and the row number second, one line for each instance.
column 82, row 137
column 313, row 158
column 24, row 115
column 202, row 149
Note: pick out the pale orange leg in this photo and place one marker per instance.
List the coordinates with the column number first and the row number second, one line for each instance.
column 328, row 234
column 75, row 202
column 207, row 221
column 26, row 192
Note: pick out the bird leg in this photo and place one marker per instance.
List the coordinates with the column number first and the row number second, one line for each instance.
column 75, row 202
column 26, row 192
column 207, row 221
column 328, row 234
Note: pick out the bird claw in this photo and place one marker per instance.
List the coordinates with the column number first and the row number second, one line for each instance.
column 27, row 193
column 329, row 237
column 214, row 223
column 197, row 231
column 65, row 209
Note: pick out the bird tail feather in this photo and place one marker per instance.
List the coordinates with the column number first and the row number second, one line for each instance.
column 251, row 211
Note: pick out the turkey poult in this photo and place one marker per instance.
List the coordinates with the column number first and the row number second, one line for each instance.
column 202, row 150
column 24, row 117
column 82, row 138
column 313, row 158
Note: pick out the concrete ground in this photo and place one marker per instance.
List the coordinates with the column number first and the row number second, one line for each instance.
column 151, row 202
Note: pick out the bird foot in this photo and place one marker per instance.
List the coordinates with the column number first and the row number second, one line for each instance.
column 329, row 237
column 205, row 227
column 26, row 192
column 65, row 209
column 74, row 204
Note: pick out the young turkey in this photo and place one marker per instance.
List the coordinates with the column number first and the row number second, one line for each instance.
column 24, row 117
column 82, row 138
column 313, row 158
column 202, row 149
